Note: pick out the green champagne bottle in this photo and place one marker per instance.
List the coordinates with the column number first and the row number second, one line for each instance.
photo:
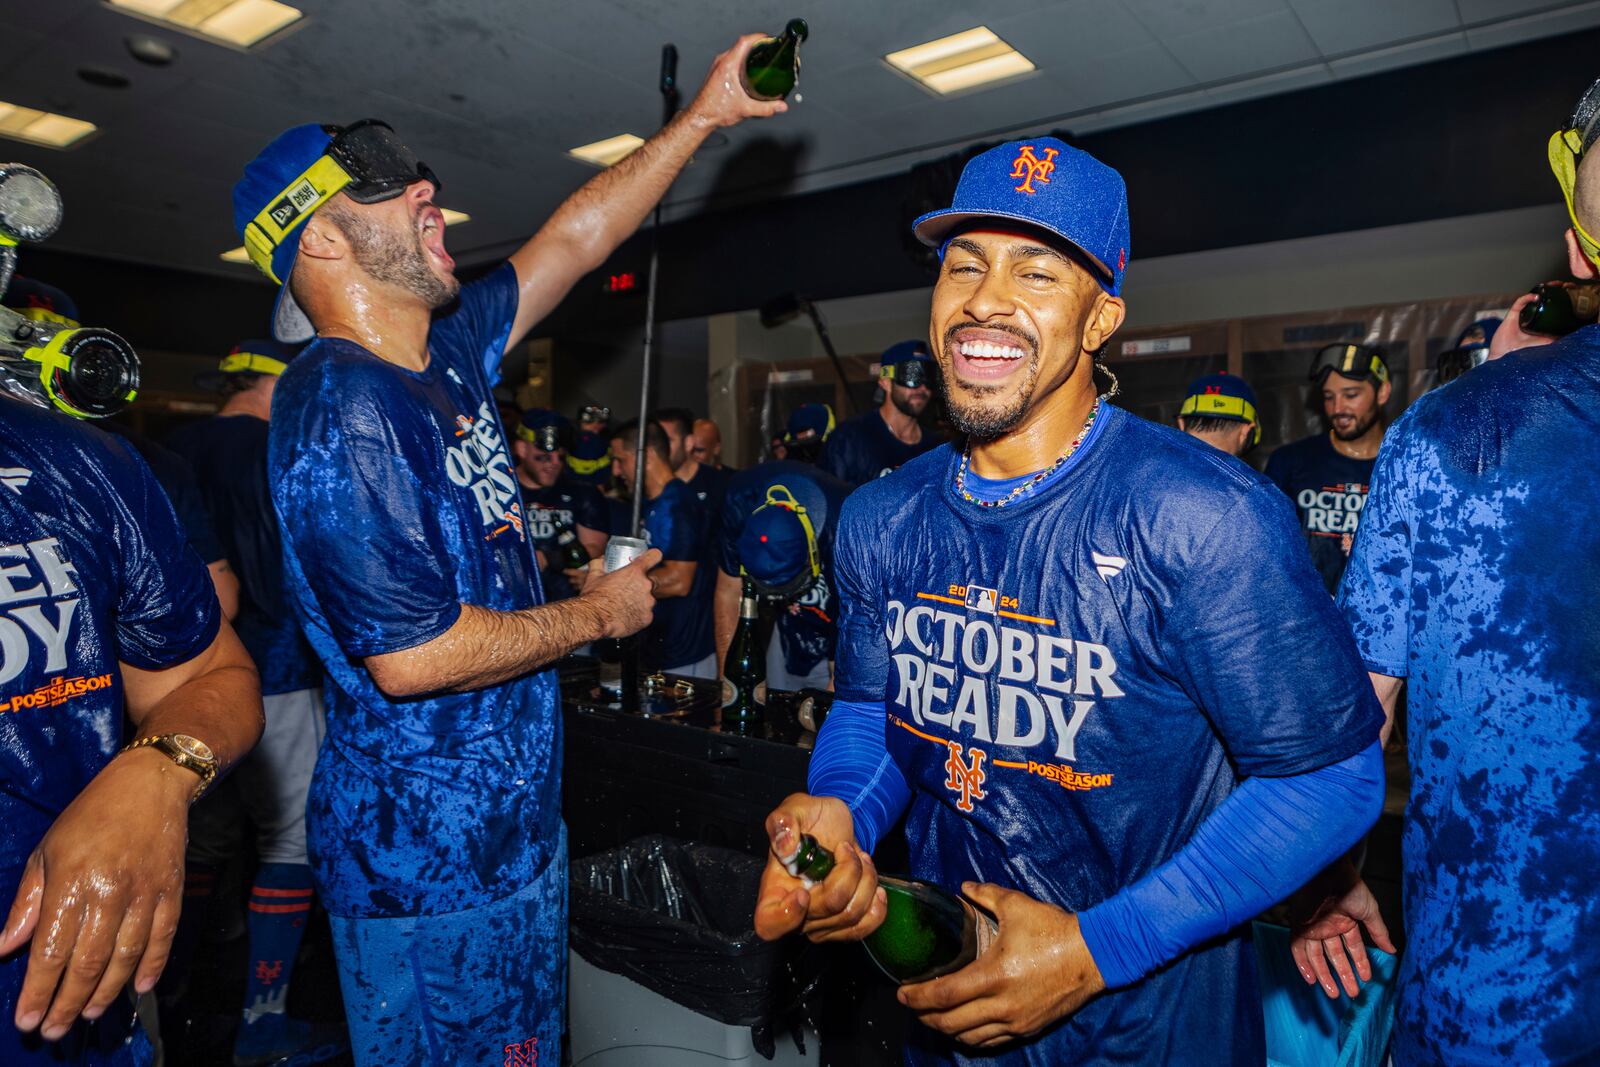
column 926, row 931
column 574, row 557
column 1560, row 309
column 744, row 672
column 773, row 66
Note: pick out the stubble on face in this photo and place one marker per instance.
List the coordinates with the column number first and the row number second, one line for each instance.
column 393, row 256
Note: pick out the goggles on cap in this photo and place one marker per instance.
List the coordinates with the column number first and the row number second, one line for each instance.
column 781, row 496
column 1217, row 405
column 1454, row 362
column 1565, row 151
column 910, row 373
column 1361, row 362
column 594, row 413
column 251, row 362
column 547, row 438
column 366, row 161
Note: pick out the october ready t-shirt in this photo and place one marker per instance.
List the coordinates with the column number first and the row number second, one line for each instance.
column 399, row 504
column 864, row 448
column 1075, row 681
column 680, row 633
column 553, row 510
column 1329, row 490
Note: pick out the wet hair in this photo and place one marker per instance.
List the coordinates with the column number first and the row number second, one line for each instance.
column 655, row 438
column 1208, row 424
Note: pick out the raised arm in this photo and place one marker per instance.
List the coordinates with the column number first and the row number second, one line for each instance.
column 592, row 222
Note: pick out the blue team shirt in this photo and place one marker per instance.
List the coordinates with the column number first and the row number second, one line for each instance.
column 1329, row 490
column 1076, row 681
column 552, row 511
column 229, row 458
column 806, row 637
column 94, row 569
column 680, row 634
column 864, row 448
column 399, row 503
column 1476, row 577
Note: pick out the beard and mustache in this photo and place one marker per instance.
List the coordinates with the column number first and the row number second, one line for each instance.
column 397, row 259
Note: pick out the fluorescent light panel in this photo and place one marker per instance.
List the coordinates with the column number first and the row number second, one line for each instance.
column 239, row 23
column 42, row 127
column 611, row 150
column 961, row 61
column 452, row 217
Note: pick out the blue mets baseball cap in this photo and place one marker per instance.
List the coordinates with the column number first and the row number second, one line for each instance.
column 772, row 546
column 544, row 429
column 589, row 459
column 41, row 302
column 1042, row 182
column 261, row 355
column 809, row 422
column 1220, row 396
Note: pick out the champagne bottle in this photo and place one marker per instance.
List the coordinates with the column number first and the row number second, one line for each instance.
column 744, row 672
column 773, row 66
column 574, row 557
column 1560, row 309
column 926, row 931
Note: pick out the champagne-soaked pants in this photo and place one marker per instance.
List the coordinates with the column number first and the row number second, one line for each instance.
column 483, row 986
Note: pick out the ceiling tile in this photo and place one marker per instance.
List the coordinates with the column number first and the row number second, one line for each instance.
column 1381, row 59
column 1532, row 27
column 1351, row 25
column 1171, row 18
column 1240, row 48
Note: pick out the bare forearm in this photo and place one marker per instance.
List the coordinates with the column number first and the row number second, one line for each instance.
column 725, row 612
column 674, row 578
column 485, row 648
column 216, row 697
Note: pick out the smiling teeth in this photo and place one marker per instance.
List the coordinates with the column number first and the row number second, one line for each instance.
column 985, row 350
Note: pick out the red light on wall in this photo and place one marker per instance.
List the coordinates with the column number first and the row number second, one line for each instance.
column 622, row 283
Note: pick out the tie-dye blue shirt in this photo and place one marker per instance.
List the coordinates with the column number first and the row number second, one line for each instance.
column 1476, row 577
column 399, row 504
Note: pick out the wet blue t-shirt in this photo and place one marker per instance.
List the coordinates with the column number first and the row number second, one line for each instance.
column 1476, row 577
column 1329, row 489
column 94, row 569
column 229, row 458
column 1077, row 680
column 553, row 510
column 864, row 448
column 806, row 636
column 680, row 634
column 398, row 504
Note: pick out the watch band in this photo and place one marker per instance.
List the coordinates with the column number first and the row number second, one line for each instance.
column 167, row 744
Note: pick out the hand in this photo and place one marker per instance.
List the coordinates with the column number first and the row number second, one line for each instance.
column 1037, row 970
column 539, row 561
column 624, row 596
column 1330, row 932
column 100, row 896
column 845, row 906
column 1510, row 336
column 579, row 577
column 722, row 100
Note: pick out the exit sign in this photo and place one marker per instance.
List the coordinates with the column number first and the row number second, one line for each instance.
column 625, row 282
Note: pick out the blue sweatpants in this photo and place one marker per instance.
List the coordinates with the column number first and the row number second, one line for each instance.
column 483, row 986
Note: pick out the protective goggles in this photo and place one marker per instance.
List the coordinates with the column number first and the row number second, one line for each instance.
column 808, row 434
column 1361, row 362
column 250, row 363
column 781, row 496
column 595, row 413
column 1454, row 362
column 546, row 438
column 1219, row 406
column 1565, row 150
column 365, row 160
column 910, row 373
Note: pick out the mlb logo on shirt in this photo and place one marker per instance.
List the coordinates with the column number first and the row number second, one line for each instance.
column 981, row 599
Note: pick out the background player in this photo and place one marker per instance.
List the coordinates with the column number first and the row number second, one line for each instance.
column 878, row 441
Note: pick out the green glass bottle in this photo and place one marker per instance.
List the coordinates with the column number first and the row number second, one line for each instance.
column 773, row 66
column 1560, row 309
column 926, row 932
column 574, row 557
column 744, row 672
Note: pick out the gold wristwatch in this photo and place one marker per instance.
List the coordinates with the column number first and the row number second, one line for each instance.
column 190, row 753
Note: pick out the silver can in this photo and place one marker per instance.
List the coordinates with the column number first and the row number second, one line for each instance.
column 621, row 551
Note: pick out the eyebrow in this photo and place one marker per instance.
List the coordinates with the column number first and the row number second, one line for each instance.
column 1019, row 251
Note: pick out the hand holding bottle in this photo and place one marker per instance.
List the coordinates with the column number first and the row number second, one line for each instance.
column 1037, row 970
column 847, row 905
column 722, row 100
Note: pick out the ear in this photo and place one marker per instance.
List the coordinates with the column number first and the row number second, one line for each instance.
column 1182, row 424
column 1577, row 262
column 1104, row 320
column 1242, row 440
column 1383, row 393
column 519, row 450
column 321, row 238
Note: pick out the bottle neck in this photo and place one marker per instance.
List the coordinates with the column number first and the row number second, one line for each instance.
column 747, row 607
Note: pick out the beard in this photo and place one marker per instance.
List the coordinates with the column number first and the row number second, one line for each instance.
column 1358, row 429
column 907, row 404
column 395, row 259
column 983, row 412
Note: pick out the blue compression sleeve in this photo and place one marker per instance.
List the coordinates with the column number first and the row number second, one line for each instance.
column 1267, row 839
column 851, row 761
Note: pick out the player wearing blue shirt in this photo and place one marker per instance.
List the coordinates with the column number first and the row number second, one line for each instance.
column 106, row 615
column 433, row 823
column 556, row 503
column 1474, row 583
column 882, row 440
column 1086, row 656
column 762, row 537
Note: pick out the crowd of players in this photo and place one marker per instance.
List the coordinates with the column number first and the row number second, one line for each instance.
column 338, row 571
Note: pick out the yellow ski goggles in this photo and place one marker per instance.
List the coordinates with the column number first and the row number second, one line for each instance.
column 1565, row 151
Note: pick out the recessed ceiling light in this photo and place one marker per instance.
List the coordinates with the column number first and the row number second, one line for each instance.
column 238, row 23
column 963, row 60
column 42, row 127
column 611, row 150
column 452, row 217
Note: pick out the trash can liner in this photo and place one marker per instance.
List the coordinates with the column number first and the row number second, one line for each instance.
column 679, row 919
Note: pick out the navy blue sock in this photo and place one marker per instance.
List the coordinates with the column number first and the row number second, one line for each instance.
column 280, row 904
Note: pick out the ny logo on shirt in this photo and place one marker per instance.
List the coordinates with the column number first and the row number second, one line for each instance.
column 965, row 778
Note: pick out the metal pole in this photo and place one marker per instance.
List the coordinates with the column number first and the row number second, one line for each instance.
column 669, row 107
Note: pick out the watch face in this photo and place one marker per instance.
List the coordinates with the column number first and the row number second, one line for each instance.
column 193, row 747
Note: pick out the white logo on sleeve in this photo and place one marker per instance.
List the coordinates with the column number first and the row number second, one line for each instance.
column 1108, row 566
column 16, row 478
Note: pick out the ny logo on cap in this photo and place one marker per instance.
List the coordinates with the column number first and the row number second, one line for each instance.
column 1031, row 168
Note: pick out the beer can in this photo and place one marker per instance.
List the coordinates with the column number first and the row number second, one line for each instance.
column 621, row 551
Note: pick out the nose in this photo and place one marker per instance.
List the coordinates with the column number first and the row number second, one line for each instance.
column 992, row 298
column 421, row 192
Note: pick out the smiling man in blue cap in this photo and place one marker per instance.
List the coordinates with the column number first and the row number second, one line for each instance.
column 434, row 824
column 881, row 440
column 1056, row 660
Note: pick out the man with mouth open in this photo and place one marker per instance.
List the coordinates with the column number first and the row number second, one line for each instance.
column 1093, row 668
column 434, row 825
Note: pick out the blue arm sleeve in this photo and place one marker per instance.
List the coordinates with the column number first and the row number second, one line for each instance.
column 851, row 761
column 1261, row 844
